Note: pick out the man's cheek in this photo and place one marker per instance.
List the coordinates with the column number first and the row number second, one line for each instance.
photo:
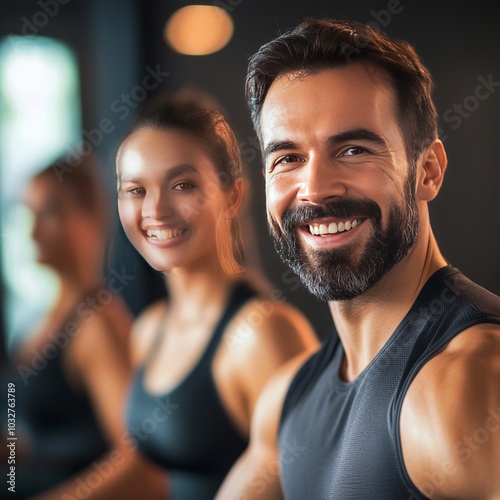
column 273, row 224
column 276, row 200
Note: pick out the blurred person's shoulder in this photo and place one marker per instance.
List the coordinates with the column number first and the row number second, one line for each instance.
column 270, row 315
column 267, row 327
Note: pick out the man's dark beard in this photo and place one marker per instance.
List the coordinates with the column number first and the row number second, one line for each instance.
column 336, row 274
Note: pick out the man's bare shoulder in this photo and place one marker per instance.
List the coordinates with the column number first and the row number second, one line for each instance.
column 450, row 422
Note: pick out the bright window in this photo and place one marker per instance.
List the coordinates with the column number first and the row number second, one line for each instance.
column 39, row 120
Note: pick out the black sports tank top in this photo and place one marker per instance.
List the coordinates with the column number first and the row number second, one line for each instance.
column 187, row 430
column 340, row 440
column 56, row 425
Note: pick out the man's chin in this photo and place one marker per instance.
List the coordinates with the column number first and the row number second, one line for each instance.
column 333, row 287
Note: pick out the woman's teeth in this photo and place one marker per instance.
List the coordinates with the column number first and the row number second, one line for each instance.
column 163, row 234
column 333, row 227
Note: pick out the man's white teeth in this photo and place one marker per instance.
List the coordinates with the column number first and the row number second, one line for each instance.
column 164, row 234
column 333, row 227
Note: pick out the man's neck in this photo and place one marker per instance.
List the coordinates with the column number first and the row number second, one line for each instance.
column 366, row 323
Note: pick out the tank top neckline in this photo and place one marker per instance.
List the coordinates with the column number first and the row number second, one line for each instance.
column 339, row 382
column 206, row 356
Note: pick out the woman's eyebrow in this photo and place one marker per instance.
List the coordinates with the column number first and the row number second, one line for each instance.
column 171, row 174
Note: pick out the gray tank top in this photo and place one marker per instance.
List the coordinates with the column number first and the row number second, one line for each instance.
column 340, row 440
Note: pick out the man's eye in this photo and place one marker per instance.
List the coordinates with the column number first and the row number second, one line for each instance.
column 352, row 151
column 288, row 159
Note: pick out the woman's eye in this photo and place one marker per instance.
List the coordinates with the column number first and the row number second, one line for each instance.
column 136, row 191
column 183, row 186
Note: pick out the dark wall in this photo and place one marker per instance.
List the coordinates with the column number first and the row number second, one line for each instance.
column 119, row 40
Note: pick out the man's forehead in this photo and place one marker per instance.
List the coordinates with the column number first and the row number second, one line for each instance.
column 349, row 77
column 349, row 90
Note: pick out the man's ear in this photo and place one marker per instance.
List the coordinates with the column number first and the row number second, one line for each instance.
column 431, row 167
column 234, row 196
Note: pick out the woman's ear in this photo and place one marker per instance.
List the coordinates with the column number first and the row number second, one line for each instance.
column 431, row 167
column 234, row 196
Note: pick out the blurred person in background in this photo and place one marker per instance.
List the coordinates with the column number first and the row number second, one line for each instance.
column 72, row 373
column 202, row 356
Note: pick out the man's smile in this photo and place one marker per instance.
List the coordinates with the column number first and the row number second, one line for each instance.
column 333, row 227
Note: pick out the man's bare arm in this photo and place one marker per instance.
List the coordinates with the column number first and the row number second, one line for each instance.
column 450, row 422
column 255, row 476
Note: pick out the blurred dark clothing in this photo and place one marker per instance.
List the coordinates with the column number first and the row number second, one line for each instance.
column 57, row 430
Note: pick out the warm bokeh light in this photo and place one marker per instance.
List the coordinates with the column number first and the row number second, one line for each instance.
column 198, row 30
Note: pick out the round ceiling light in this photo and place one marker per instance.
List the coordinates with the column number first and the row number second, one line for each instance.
column 198, row 30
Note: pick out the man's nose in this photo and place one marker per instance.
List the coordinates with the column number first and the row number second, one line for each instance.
column 323, row 180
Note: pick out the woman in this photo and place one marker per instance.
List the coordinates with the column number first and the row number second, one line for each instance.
column 204, row 355
column 72, row 373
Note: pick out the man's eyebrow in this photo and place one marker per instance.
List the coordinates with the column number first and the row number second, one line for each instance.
column 275, row 146
column 358, row 134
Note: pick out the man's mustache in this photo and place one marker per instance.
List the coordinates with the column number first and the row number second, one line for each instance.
column 294, row 217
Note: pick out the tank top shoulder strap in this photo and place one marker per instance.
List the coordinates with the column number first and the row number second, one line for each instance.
column 240, row 294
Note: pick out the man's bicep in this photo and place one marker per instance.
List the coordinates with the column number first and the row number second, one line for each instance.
column 256, row 475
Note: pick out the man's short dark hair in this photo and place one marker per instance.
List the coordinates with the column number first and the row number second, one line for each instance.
column 316, row 45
